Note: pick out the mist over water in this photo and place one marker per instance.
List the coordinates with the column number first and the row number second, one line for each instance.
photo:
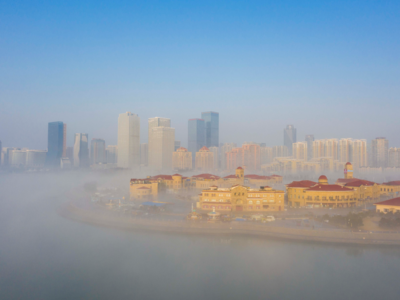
column 45, row 256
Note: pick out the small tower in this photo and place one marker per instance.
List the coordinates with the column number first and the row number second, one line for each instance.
column 240, row 173
column 322, row 179
column 348, row 171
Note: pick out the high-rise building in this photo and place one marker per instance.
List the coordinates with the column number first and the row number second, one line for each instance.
column 265, row 155
column 300, row 150
column 204, row 160
column 234, row 159
column 251, row 156
column 359, row 153
column 128, row 140
column 182, row 160
column 380, row 148
column 177, row 145
column 81, row 150
column 225, row 148
column 394, row 158
column 64, row 154
column 112, row 154
column 280, row 151
column 17, row 158
column 55, row 143
column 211, row 120
column 345, row 147
column 289, row 137
column 196, row 135
column 153, row 123
column 309, row 140
column 163, row 144
column 98, row 151
column 35, row 158
column 331, row 148
column 318, row 149
column 215, row 151
column 144, row 154
column 70, row 155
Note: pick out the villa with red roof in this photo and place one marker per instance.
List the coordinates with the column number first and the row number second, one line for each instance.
column 307, row 193
column 391, row 205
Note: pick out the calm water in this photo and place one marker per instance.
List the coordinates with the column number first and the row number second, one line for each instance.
column 43, row 256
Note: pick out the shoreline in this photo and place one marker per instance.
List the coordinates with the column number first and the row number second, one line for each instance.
column 253, row 230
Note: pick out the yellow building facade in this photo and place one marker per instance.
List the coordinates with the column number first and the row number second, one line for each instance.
column 204, row 160
column 390, row 189
column 388, row 206
column 241, row 199
column 322, row 194
column 182, row 160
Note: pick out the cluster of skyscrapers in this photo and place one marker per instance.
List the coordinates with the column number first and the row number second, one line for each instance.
column 204, row 151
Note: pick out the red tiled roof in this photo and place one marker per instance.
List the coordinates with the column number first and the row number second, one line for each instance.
column 254, row 176
column 206, row 176
column 394, row 202
column 329, row 188
column 165, row 177
column 230, row 176
column 360, row 182
column 274, row 175
column 204, row 148
column 301, row 184
column 322, row 177
column 397, row 182
column 177, row 175
column 239, row 168
column 346, row 180
column 348, row 163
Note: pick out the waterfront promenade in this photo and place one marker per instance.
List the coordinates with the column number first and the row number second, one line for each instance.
column 104, row 218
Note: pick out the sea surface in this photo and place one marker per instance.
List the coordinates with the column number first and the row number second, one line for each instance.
column 45, row 256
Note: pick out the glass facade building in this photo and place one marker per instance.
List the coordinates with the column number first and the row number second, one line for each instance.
column 55, row 143
column 289, row 137
column 211, row 120
column 196, row 135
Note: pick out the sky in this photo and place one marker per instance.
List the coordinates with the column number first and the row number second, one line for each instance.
column 330, row 68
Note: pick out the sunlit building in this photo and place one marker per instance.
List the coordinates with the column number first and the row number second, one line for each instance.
column 182, row 160
column 300, row 151
column 128, row 140
column 322, row 194
column 224, row 149
column 251, row 156
column 204, row 160
column 241, row 198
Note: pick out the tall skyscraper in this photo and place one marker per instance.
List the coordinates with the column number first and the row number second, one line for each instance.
column 359, row 153
column 55, row 143
column 152, row 150
column 128, row 140
column 394, row 158
column 163, row 146
column 300, row 150
column 251, row 156
column 81, row 150
column 215, row 151
column 64, row 154
column 380, row 148
column 309, row 140
column 177, row 145
column 224, row 149
column 196, row 135
column 211, row 120
column 182, row 160
column 289, row 137
column 144, row 154
column 98, row 151
column 112, row 154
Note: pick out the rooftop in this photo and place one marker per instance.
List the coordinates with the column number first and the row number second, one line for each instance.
column 329, row 188
column 393, row 202
column 302, row 184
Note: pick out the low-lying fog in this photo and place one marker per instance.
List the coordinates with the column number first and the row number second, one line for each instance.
column 44, row 256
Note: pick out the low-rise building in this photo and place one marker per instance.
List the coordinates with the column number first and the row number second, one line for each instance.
column 241, row 198
column 322, row 194
column 387, row 206
column 390, row 189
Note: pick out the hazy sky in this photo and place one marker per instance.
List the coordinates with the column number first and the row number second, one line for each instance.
column 330, row 68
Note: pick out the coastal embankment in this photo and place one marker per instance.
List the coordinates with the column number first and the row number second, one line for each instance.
column 250, row 229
